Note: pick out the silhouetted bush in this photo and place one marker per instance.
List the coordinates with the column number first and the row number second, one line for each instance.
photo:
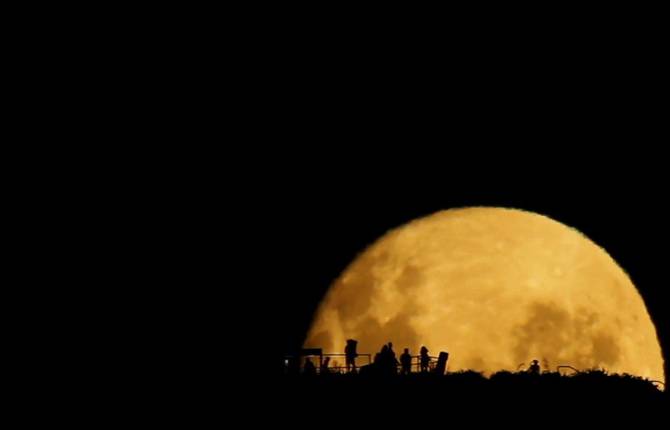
column 548, row 392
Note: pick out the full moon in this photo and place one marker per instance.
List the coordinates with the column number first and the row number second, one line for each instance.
column 495, row 288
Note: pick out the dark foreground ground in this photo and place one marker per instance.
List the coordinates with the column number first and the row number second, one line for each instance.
column 504, row 398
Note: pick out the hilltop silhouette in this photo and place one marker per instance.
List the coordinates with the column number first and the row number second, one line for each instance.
column 521, row 396
column 423, row 383
column 547, row 384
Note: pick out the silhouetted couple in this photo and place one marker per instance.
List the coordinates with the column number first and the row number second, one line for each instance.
column 385, row 360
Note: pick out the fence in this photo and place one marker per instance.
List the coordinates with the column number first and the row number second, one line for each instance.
column 337, row 362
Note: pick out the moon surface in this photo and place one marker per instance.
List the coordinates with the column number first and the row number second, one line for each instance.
column 495, row 288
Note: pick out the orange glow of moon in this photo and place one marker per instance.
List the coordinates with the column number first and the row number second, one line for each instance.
column 495, row 288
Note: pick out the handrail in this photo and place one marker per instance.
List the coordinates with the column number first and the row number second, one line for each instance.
column 416, row 360
column 558, row 368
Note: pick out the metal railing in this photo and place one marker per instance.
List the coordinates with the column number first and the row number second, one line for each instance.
column 558, row 368
column 658, row 382
column 343, row 368
column 335, row 366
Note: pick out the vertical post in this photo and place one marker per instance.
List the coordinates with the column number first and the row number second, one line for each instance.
column 442, row 363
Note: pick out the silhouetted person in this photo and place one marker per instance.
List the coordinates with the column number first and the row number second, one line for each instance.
column 392, row 360
column 309, row 368
column 534, row 368
column 324, row 366
column 424, row 359
column 406, row 362
column 350, row 355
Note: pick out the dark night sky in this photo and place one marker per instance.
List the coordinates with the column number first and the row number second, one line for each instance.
column 320, row 228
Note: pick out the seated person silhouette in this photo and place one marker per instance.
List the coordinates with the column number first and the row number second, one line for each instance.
column 534, row 368
column 324, row 366
column 309, row 368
